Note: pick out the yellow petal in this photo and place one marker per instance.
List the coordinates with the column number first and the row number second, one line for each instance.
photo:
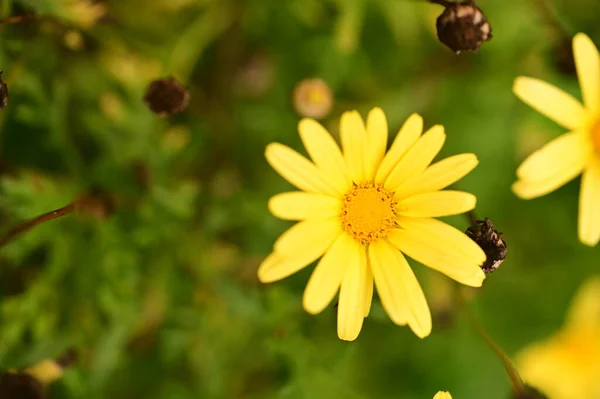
column 584, row 311
column 437, row 204
column 417, row 158
column 440, row 247
column 368, row 290
column 407, row 136
column 442, row 395
column 528, row 189
column 385, row 264
column 551, row 101
column 297, row 170
column 438, row 176
column 354, row 141
column 589, row 204
column 352, row 296
column 308, row 234
column 299, row 205
column 46, row 371
column 377, row 133
column 327, row 276
column 276, row 266
column 404, row 299
column 325, row 153
column 587, row 60
column 570, row 151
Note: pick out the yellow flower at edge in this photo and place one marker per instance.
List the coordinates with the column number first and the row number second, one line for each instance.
column 575, row 152
column 361, row 210
column 442, row 395
column 567, row 365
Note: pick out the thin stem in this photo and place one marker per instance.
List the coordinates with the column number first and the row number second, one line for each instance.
column 28, row 225
column 549, row 16
column 17, row 19
column 513, row 374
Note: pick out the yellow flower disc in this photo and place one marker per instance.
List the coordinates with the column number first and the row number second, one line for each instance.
column 368, row 212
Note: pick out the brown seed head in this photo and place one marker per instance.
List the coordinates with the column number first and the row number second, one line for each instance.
column 166, row 97
column 21, row 386
column 491, row 241
column 3, row 93
column 463, row 27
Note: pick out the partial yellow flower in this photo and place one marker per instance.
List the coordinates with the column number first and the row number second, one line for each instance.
column 567, row 365
column 442, row 395
column 361, row 210
column 573, row 153
column 84, row 13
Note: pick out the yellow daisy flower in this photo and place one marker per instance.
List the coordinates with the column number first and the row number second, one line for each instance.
column 442, row 395
column 575, row 152
column 567, row 365
column 361, row 209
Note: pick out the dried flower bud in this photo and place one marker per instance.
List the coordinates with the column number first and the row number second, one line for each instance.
column 67, row 359
column 313, row 98
column 529, row 393
column 21, row 386
column 563, row 57
column 166, row 97
column 462, row 26
column 3, row 93
column 491, row 241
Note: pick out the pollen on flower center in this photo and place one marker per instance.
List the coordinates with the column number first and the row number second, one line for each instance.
column 368, row 212
column 596, row 136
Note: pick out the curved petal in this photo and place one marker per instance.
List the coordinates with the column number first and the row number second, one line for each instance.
column 440, row 247
column 442, row 395
column 418, row 157
column 550, row 101
column 308, row 234
column 386, row 265
column 325, row 153
column 327, row 276
column 276, row 266
column 407, row 136
column 584, row 311
column 368, row 289
column 299, row 205
column 438, row 176
column 528, row 189
column 377, row 133
column 587, row 60
column 570, row 151
column 297, row 170
column 354, row 141
column 404, row 299
column 437, row 204
column 589, row 205
column 352, row 296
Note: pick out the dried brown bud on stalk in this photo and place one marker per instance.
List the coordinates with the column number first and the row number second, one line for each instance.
column 491, row 241
column 313, row 98
column 528, row 393
column 3, row 93
column 166, row 97
column 462, row 26
column 20, row 385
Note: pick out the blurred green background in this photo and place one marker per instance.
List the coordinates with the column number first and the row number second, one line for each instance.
column 156, row 289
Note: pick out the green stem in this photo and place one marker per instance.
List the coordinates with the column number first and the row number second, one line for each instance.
column 513, row 374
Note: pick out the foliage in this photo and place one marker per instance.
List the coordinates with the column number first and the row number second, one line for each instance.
column 157, row 289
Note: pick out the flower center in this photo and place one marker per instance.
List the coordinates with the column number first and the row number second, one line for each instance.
column 368, row 212
column 596, row 136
